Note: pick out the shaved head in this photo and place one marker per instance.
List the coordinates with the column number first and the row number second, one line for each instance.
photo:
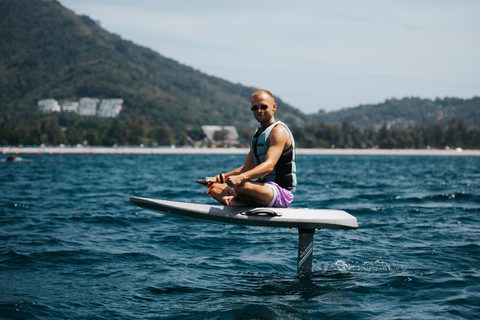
column 262, row 92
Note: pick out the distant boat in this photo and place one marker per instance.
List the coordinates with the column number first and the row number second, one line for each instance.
column 13, row 158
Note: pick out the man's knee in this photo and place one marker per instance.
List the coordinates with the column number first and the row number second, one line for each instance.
column 244, row 186
column 216, row 188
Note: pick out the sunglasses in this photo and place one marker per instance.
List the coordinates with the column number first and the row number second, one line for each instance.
column 255, row 108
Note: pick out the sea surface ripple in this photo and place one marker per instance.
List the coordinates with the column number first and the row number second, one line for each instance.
column 73, row 247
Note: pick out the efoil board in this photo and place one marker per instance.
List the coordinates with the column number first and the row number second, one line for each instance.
column 300, row 218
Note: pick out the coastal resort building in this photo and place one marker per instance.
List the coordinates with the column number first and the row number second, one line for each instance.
column 107, row 108
column 110, row 108
column 70, row 106
column 48, row 105
column 221, row 134
column 88, row 106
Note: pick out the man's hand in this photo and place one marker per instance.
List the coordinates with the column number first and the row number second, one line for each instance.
column 233, row 181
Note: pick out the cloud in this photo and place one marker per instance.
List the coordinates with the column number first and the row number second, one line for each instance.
column 314, row 54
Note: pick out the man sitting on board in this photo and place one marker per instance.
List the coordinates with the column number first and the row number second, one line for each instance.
column 268, row 176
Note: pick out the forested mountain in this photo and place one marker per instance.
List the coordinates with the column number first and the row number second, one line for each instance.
column 407, row 112
column 46, row 51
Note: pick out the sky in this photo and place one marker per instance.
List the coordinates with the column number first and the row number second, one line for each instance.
column 314, row 55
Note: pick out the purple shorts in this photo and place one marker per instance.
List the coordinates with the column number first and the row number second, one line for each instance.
column 281, row 197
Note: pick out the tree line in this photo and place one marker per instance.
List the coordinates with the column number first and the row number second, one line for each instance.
column 53, row 130
column 455, row 134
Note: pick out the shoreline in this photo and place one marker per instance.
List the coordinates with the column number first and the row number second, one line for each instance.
column 168, row 150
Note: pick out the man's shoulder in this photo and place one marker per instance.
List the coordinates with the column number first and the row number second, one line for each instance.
column 280, row 128
column 280, row 133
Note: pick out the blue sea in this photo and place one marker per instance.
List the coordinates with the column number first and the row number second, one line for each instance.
column 72, row 246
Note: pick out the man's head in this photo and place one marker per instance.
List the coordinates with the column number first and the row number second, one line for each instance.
column 263, row 107
column 263, row 92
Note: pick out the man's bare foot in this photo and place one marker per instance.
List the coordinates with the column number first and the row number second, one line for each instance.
column 234, row 202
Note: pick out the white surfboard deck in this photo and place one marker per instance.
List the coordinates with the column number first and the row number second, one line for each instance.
column 300, row 218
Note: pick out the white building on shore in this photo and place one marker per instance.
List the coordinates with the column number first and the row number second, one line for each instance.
column 70, row 106
column 223, row 134
column 49, row 105
column 110, row 108
column 88, row 106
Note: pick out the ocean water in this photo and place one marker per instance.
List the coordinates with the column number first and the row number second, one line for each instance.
column 73, row 247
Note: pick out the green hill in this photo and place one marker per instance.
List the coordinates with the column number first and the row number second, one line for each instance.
column 46, row 51
column 407, row 112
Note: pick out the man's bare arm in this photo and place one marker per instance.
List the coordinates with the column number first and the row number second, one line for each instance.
column 279, row 138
